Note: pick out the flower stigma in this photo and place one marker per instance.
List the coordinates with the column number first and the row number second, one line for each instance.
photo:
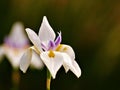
column 52, row 45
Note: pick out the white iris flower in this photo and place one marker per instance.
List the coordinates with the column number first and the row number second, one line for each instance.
column 15, row 45
column 50, row 50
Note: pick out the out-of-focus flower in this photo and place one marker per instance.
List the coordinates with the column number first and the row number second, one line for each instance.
column 15, row 45
column 51, row 52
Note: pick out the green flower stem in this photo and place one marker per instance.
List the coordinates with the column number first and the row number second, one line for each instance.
column 15, row 79
column 48, row 80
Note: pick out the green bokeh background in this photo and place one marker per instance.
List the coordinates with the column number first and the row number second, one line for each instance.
column 91, row 27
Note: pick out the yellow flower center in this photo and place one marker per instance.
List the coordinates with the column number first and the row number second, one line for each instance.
column 58, row 47
column 51, row 54
column 64, row 49
column 61, row 48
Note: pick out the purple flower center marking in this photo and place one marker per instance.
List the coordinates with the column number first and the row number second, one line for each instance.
column 52, row 44
column 58, row 39
column 14, row 43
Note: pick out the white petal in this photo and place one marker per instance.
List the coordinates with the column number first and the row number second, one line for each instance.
column 34, row 39
column 13, row 55
column 26, row 60
column 46, row 32
column 52, row 63
column 36, row 61
column 76, row 70
column 66, row 67
column 18, row 31
column 2, row 52
column 68, row 63
column 66, row 49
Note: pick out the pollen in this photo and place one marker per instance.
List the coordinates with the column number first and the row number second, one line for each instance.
column 51, row 54
column 65, row 49
column 59, row 47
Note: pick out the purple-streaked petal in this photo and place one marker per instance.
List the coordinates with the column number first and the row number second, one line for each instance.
column 46, row 32
column 58, row 39
column 17, row 37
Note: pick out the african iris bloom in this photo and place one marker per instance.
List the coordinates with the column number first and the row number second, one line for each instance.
column 15, row 45
column 50, row 50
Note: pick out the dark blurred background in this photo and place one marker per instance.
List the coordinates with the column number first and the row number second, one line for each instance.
column 91, row 27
